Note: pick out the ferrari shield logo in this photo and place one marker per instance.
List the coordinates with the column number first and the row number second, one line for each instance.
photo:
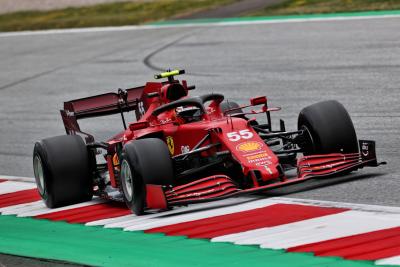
column 170, row 143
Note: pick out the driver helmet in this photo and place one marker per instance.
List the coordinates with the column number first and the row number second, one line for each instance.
column 189, row 113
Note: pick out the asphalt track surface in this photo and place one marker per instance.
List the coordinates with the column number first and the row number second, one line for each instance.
column 295, row 64
column 9, row 260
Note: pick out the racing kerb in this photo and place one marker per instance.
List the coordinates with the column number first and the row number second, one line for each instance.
column 237, row 231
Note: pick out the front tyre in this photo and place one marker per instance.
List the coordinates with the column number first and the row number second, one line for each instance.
column 144, row 161
column 328, row 128
column 62, row 170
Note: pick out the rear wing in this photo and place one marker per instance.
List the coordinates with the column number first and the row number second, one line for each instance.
column 104, row 104
column 133, row 99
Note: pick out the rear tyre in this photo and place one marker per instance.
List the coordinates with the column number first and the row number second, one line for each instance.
column 144, row 161
column 227, row 105
column 328, row 128
column 62, row 170
column 224, row 106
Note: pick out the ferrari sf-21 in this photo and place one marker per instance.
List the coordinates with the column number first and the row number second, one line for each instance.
column 185, row 149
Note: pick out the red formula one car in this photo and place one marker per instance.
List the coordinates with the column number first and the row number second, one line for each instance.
column 189, row 149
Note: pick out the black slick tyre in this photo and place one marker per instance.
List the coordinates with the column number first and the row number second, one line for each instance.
column 329, row 129
column 62, row 170
column 227, row 105
column 144, row 161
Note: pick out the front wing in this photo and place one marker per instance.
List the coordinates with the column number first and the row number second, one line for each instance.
column 218, row 187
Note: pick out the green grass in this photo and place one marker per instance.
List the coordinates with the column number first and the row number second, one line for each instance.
column 298, row 7
column 114, row 14
column 98, row 246
column 133, row 13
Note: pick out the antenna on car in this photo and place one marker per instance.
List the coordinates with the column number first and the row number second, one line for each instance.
column 169, row 74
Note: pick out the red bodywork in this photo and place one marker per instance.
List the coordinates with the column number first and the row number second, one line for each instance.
column 233, row 135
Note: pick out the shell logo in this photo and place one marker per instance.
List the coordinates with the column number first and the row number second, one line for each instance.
column 170, row 144
column 249, row 146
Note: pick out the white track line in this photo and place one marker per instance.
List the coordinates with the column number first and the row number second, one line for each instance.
column 129, row 220
column 208, row 24
column 14, row 186
column 323, row 203
column 20, row 208
column 112, row 220
column 389, row 261
column 38, row 208
column 159, row 222
column 44, row 210
column 352, row 206
column 18, row 178
column 314, row 230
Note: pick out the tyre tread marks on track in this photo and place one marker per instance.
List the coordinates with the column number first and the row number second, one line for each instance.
column 65, row 66
column 147, row 59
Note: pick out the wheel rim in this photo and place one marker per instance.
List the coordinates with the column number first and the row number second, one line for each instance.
column 127, row 180
column 310, row 143
column 39, row 173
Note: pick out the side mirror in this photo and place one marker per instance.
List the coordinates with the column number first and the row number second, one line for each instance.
column 258, row 100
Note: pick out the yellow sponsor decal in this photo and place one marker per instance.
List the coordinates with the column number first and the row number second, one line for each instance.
column 249, row 146
column 170, row 144
column 115, row 160
column 257, row 156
